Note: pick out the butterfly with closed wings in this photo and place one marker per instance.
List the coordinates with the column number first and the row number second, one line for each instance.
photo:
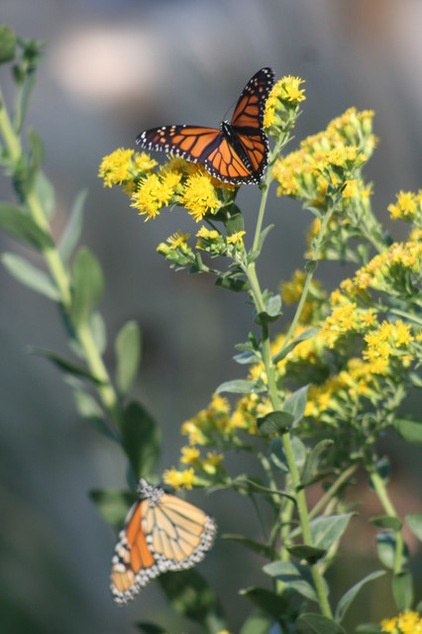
column 161, row 533
column 235, row 153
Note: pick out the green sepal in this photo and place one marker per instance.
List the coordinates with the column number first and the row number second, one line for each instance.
column 30, row 276
column 310, row 623
column 310, row 553
column 73, row 230
column 409, row 429
column 18, row 224
column 128, row 354
column 140, row 440
column 346, row 600
column 403, row 590
column 113, row 505
column 278, row 422
column 7, row 44
column 88, row 286
column 387, row 522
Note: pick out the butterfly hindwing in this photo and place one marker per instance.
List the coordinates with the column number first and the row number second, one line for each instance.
column 237, row 153
column 161, row 533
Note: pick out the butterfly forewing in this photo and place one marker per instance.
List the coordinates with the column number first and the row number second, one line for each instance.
column 235, row 154
column 161, row 532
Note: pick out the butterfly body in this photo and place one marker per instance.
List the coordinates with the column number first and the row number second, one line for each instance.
column 235, row 153
column 161, row 533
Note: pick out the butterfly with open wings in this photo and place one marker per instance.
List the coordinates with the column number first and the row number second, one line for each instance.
column 162, row 532
column 235, row 153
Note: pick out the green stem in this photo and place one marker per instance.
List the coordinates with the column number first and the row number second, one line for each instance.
column 59, row 273
column 332, row 490
column 382, row 493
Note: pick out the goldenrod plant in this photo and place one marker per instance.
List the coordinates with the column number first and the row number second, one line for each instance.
column 313, row 394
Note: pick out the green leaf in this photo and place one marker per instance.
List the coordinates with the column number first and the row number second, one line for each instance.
column 266, row 600
column 256, row 547
column 140, row 440
column 414, row 522
column 386, row 547
column 232, row 283
column 7, row 44
column 326, row 531
column 46, row 194
column 317, row 624
column 235, row 223
column 68, row 367
column 349, row 596
column 294, row 576
column 295, row 404
column 275, row 423
column 252, row 256
column 72, row 233
column 307, row 334
column 310, row 553
column 259, row 623
column 239, row 386
column 312, row 461
column 369, row 628
column 277, row 455
column 36, row 151
column 29, row 275
column 409, row 429
column 150, row 628
column 18, row 224
column 191, row 596
column 272, row 310
column 387, row 522
column 98, row 330
column 246, row 357
column 88, row 286
column 403, row 591
column 113, row 505
column 128, row 352
column 89, row 409
column 299, row 452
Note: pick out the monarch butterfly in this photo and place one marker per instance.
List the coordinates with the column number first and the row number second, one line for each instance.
column 161, row 533
column 238, row 151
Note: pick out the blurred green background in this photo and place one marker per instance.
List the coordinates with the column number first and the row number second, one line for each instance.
column 113, row 68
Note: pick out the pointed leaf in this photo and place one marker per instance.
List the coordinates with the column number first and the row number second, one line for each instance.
column 29, row 275
column 275, row 423
column 277, row 455
column 18, row 224
column 317, row 624
column 349, row 596
column 310, row 553
column 294, row 576
column 72, row 233
column 64, row 364
column 88, row 286
column 128, row 351
column 46, row 194
column 89, row 409
column 326, row 531
column 113, row 505
column 140, row 440
column 386, row 547
column 295, row 404
column 414, row 522
column 307, row 334
column 239, row 386
column 312, row 461
column 98, row 330
column 409, row 429
column 235, row 223
column 246, row 357
column 403, row 591
column 36, row 151
column 387, row 522
column 7, row 44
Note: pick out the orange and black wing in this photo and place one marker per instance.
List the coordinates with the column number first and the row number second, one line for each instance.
column 193, row 143
column 161, row 533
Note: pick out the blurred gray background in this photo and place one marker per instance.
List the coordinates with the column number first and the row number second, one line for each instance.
column 113, row 68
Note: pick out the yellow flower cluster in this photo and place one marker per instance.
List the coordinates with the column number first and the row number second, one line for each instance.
column 291, row 292
column 408, row 622
column 346, row 144
column 178, row 182
column 284, row 98
column 408, row 207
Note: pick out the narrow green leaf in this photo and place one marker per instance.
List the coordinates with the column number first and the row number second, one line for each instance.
column 347, row 599
column 414, row 522
column 88, row 286
column 128, row 352
column 140, row 440
column 64, row 364
column 256, row 547
column 294, row 576
column 295, row 404
column 307, row 334
column 252, row 255
column 403, row 591
column 386, row 548
column 299, row 452
column 99, row 333
column 29, row 275
column 89, row 409
column 387, row 522
column 409, row 429
column 317, row 624
column 368, row 628
column 72, row 233
column 36, row 151
column 7, row 44
column 239, row 386
column 310, row 553
column 326, row 531
column 113, row 505
column 266, row 600
column 246, row 357
column 312, row 461
column 46, row 194
column 275, row 423
column 18, row 224
column 277, row 455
